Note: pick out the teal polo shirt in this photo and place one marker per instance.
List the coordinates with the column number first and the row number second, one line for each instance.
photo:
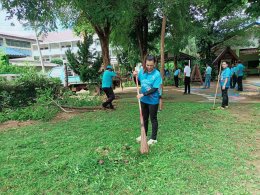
column 226, row 73
column 107, row 79
column 148, row 81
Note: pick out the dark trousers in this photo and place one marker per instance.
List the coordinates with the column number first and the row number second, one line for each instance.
column 224, row 97
column 110, row 97
column 239, row 83
column 187, row 84
column 233, row 81
column 176, row 81
column 150, row 110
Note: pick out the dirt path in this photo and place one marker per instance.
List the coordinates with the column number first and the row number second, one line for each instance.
column 16, row 124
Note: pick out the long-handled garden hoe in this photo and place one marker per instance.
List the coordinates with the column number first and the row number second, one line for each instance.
column 213, row 107
column 144, row 146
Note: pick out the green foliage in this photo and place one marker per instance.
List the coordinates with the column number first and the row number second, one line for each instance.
column 132, row 32
column 23, row 90
column 180, row 26
column 79, row 100
column 57, row 61
column 81, row 63
column 3, row 58
column 129, row 84
column 253, row 8
column 42, row 109
column 169, row 81
column 218, row 22
column 7, row 68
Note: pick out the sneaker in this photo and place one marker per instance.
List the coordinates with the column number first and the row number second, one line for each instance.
column 222, row 108
column 226, row 106
column 151, row 142
column 138, row 139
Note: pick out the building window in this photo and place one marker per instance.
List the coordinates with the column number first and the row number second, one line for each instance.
column 70, row 72
column 16, row 43
column 44, row 48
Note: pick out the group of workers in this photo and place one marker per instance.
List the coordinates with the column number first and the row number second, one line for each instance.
column 151, row 88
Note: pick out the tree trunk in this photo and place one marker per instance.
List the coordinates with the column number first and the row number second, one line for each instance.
column 104, row 41
column 142, row 37
column 39, row 50
column 103, row 34
column 175, row 62
column 66, row 78
column 162, row 45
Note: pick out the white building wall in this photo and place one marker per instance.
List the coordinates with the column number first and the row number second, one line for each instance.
column 58, row 49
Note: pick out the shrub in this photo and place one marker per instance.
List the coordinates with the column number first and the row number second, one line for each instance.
column 57, row 61
column 129, row 84
column 23, row 91
column 42, row 109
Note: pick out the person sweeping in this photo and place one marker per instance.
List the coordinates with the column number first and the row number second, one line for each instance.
column 107, row 86
column 225, row 84
column 150, row 80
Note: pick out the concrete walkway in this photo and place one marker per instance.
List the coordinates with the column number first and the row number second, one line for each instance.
column 251, row 93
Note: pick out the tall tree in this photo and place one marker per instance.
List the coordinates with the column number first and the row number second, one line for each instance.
column 138, row 28
column 216, row 22
column 82, row 62
column 38, row 15
column 102, row 15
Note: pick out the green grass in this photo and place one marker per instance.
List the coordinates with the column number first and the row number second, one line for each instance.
column 199, row 151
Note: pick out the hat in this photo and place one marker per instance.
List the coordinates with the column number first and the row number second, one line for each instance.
column 109, row 67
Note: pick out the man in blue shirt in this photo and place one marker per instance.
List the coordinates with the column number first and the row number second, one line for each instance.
column 177, row 73
column 208, row 76
column 225, row 84
column 240, row 74
column 233, row 81
column 150, row 79
column 107, row 86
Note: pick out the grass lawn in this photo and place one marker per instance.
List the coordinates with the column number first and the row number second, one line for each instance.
column 199, row 151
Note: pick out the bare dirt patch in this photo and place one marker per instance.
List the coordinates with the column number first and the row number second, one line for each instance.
column 15, row 124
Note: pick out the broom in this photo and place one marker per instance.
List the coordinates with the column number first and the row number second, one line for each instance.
column 144, row 146
column 213, row 108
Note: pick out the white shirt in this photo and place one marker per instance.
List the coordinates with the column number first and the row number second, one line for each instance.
column 187, row 70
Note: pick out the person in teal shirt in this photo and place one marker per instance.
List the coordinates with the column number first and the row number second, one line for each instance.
column 160, row 96
column 208, row 76
column 107, row 84
column 176, row 75
column 150, row 79
column 240, row 74
column 233, row 80
column 225, row 84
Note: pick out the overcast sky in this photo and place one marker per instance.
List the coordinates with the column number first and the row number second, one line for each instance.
column 13, row 26
column 5, row 25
